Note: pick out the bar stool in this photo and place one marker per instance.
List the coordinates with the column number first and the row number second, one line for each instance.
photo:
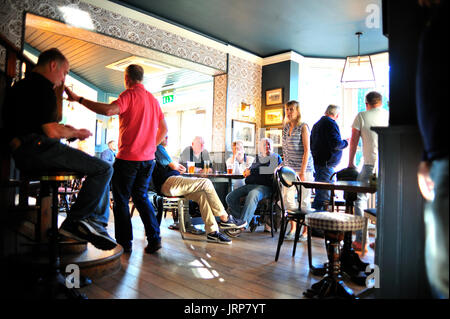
column 335, row 226
column 55, row 280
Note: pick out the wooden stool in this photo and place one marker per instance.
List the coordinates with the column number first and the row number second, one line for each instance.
column 55, row 280
column 335, row 226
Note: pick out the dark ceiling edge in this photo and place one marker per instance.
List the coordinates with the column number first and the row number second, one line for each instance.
column 211, row 37
column 129, row 6
column 323, row 57
column 341, row 58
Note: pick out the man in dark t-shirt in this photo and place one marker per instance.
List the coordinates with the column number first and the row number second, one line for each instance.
column 33, row 133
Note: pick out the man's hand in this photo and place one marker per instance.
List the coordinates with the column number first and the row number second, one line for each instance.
column 246, row 173
column 426, row 184
column 83, row 134
column 239, row 157
column 70, row 95
column 181, row 169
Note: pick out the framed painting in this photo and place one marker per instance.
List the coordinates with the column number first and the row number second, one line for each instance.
column 273, row 116
column 275, row 135
column 274, row 96
column 243, row 131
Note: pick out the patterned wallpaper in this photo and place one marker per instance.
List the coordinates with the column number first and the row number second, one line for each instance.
column 244, row 78
column 245, row 85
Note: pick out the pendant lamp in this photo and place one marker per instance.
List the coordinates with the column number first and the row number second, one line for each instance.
column 358, row 70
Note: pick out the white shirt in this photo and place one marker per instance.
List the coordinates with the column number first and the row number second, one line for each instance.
column 239, row 168
column 363, row 122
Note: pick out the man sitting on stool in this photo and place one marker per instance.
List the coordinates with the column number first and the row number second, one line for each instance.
column 32, row 128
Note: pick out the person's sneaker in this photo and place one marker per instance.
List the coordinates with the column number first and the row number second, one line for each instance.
column 195, row 231
column 153, row 247
column 90, row 231
column 290, row 236
column 217, row 237
column 232, row 223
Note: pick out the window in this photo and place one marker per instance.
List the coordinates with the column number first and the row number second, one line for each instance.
column 319, row 86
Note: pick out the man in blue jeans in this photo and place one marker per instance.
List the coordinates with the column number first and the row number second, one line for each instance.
column 326, row 149
column 374, row 116
column 142, row 128
column 33, row 133
column 258, row 183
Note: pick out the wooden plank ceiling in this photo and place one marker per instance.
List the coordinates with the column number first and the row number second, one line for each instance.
column 89, row 60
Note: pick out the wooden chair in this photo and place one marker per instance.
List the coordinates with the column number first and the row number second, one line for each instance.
column 285, row 176
column 180, row 205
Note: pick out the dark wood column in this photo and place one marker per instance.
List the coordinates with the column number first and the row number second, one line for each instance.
column 400, row 239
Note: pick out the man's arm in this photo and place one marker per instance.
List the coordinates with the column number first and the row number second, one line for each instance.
column 353, row 145
column 335, row 140
column 97, row 107
column 55, row 130
column 162, row 131
column 177, row 167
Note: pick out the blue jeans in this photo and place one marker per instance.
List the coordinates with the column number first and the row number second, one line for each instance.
column 361, row 201
column 132, row 179
column 40, row 153
column 322, row 174
column 254, row 194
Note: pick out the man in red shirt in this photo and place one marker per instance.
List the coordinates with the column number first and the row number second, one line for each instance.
column 141, row 128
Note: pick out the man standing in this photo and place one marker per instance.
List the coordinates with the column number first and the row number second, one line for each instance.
column 33, row 133
column 326, row 149
column 141, row 127
column 109, row 155
column 374, row 116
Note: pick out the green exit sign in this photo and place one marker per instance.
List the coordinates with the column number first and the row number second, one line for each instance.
column 167, row 99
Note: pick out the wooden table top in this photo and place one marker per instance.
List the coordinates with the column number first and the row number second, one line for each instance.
column 349, row 186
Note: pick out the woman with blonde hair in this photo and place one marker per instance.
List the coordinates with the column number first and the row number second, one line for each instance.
column 297, row 155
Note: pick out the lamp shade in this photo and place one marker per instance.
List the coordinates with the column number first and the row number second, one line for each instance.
column 358, row 69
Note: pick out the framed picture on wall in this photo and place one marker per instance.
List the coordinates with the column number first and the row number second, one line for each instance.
column 274, row 96
column 243, row 131
column 273, row 116
column 275, row 135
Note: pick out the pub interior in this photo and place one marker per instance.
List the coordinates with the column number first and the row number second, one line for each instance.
column 223, row 91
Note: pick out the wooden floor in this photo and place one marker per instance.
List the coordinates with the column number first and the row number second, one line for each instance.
column 200, row 270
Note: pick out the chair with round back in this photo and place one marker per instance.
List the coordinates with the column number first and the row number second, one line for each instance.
column 286, row 176
column 335, row 225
